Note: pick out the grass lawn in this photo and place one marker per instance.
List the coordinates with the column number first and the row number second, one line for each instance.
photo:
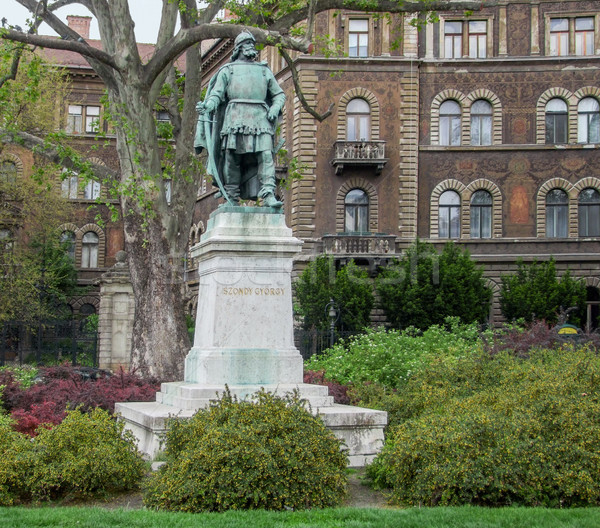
column 463, row 517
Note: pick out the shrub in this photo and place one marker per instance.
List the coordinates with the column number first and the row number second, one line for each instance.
column 87, row 454
column 498, row 430
column 349, row 287
column 425, row 288
column 15, row 463
column 63, row 387
column 535, row 292
column 268, row 453
column 390, row 357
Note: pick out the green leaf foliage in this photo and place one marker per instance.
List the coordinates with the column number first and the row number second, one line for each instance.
column 390, row 357
column 422, row 289
column 266, row 453
column 498, row 430
column 86, row 455
column 536, row 292
column 349, row 287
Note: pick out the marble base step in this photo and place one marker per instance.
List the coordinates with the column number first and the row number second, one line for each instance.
column 360, row 429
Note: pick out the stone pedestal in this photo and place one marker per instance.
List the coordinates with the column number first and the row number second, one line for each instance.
column 244, row 334
column 115, row 316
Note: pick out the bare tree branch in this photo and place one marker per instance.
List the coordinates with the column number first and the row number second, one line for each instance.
column 300, row 93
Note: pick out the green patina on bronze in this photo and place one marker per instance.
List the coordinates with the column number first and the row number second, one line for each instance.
column 237, row 123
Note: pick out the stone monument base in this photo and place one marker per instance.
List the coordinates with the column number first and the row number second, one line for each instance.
column 244, row 336
column 360, row 429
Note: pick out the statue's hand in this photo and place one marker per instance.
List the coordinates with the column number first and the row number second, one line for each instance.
column 210, row 106
column 272, row 114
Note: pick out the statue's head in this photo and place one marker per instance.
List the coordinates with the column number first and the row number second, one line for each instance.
column 244, row 43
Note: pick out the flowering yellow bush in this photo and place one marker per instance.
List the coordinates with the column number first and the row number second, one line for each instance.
column 498, row 430
column 268, row 453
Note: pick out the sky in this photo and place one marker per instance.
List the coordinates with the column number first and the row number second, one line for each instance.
column 145, row 13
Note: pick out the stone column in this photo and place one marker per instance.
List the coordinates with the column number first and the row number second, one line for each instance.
column 115, row 319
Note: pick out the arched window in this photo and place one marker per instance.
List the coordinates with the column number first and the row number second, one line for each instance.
column 557, row 213
column 8, row 171
column 449, row 123
column 449, row 215
column 588, row 121
column 481, row 123
column 89, row 250
column 87, row 309
column 67, row 240
column 92, row 190
column 481, row 214
column 356, row 207
column 556, row 121
column 589, row 213
column 69, row 185
column 358, row 119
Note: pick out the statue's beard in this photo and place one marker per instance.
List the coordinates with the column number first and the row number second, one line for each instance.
column 250, row 53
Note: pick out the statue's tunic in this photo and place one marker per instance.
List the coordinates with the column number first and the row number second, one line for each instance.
column 248, row 89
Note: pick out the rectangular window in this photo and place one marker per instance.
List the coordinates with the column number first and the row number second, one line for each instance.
column 477, row 39
column 584, row 36
column 92, row 119
column 358, row 37
column 559, row 36
column 75, row 119
column 453, row 39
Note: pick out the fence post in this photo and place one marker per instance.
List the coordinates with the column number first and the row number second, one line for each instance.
column 74, row 342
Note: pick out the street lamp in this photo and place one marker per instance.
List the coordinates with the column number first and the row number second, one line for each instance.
column 333, row 312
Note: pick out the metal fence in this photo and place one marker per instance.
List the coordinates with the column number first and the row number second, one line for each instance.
column 47, row 343
column 311, row 342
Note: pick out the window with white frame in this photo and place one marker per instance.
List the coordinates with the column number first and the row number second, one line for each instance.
column 356, row 209
column 571, row 35
column 556, row 121
column 69, row 185
column 449, row 215
column 358, row 37
column 557, row 214
column 91, row 190
column 67, row 240
column 588, row 120
column 481, row 123
column 82, row 119
column 589, row 213
column 481, row 214
column 89, row 250
column 450, row 118
column 358, row 120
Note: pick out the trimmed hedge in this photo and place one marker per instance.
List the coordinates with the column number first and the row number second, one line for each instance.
column 267, row 453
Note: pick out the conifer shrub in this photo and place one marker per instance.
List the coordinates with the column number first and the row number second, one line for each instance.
column 87, row 454
column 498, row 430
column 265, row 453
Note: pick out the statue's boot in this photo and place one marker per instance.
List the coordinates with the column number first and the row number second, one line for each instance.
column 270, row 201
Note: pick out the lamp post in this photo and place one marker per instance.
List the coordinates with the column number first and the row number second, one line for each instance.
column 333, row 312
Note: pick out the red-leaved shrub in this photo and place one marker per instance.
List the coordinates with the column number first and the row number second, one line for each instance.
column 337, row 390
column 67, row 387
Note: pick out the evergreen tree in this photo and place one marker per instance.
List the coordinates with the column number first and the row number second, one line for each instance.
column 425, row 288
column 535, row 292
column 350, row 288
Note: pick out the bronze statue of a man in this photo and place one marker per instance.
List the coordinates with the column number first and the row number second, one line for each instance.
column 237, row 123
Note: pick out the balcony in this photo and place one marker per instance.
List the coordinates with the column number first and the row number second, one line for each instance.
column 357, row 153
column 371, row 249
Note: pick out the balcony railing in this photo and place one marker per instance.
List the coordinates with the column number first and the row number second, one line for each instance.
column 356, row 153
column 355, row 244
